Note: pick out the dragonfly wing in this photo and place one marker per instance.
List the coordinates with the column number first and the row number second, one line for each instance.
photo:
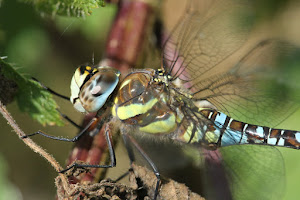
column 254, row 172
column 203, row 39
column 221, row 57
column 246, row 91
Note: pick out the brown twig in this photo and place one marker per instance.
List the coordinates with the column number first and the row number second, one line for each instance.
column 36, row 148
column 169, row 189
column 106, row 189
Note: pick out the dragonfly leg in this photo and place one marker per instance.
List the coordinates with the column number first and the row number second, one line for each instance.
column 122, row 176
column 128, row 147
column 74, row 139
column 111, row 155
column 127, row 138
column 61, row 96
column 69, row 119
column 50, row 90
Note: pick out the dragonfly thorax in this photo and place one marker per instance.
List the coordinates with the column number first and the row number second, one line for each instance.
column 148, row 100
column 160, row 76
column 143, row 101
column 91, row 87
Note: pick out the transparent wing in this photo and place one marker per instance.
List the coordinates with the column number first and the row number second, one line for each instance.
column 219, row 59
column 203, row 39
column 242, row 172
column 246, row 91
column 254, row 172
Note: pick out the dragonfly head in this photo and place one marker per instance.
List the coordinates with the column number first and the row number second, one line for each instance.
column 91, row 87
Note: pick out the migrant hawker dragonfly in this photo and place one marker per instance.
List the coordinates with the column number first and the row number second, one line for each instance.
column 211, row 92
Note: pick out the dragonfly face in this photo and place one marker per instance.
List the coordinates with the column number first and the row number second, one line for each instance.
column 91, row 86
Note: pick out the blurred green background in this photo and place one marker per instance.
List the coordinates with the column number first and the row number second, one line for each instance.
column 50, row 50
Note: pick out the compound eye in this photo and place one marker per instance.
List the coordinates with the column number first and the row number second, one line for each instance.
column 83, row 74
column 98, row 88
column 80, row 77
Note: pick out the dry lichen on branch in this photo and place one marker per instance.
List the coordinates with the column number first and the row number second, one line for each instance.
column 142, row 183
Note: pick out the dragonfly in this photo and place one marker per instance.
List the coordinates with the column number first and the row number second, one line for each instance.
column 210, row 93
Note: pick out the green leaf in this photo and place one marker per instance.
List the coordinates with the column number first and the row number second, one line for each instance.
column 75, row 8
column 30, row 96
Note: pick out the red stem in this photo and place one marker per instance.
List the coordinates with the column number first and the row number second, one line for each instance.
column 123, row 47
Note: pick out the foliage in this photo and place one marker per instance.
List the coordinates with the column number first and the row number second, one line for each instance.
column 76, row 8
column 31, row 97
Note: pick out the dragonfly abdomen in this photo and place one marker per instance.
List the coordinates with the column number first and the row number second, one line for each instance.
column 229, row 131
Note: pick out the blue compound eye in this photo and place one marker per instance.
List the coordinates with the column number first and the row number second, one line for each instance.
column 90, row 87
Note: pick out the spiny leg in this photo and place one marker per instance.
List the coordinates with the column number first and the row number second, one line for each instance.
column 61, row 96
column 74, row 139
column 128, row 147
column 130, row 155
column 68, row 119
column 50, row 90
column 122, row 176
column 111, row 155
column 126, row 138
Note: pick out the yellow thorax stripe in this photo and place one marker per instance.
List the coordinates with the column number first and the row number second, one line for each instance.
column 125, row 83
column 161, row 126
column 126, row 112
